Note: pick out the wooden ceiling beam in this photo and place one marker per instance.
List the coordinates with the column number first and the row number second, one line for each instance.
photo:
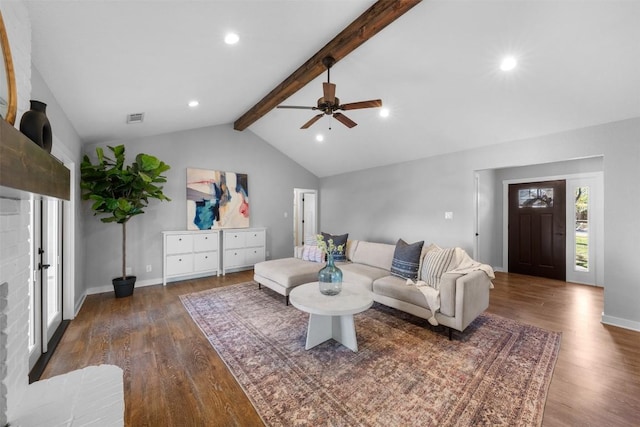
column 367, row 25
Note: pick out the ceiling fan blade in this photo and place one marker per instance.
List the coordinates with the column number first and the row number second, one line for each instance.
column 329, row 92
column 297, row 107
column 312, row 121
column 344, row 120
column 362, row 104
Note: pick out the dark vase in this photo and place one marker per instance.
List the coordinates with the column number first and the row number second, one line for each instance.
column 35, row 125
column 124, row 287
column 330, row 278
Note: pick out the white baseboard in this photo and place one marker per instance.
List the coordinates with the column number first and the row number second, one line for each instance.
column 78, row 305
column 621, row 323
column 100, row 289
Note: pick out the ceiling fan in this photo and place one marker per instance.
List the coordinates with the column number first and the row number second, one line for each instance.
column 329, row 104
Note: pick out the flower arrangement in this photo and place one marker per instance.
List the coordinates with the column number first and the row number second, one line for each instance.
column 328, row 247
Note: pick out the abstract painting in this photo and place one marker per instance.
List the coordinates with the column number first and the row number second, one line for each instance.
column 217, row 199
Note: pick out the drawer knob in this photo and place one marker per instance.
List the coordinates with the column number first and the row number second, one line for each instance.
column 180, row 240
column 180, row 259
column 206, row 257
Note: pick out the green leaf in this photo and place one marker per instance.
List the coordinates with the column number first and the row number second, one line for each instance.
column 145, row 177
column 147, row 162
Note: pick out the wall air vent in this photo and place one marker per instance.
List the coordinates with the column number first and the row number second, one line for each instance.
column 135, row 118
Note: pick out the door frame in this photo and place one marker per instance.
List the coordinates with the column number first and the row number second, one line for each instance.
column 598, row 214
column 69, row 309
column 298, row 193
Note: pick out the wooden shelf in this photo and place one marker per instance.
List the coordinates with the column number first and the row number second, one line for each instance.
column 25, row 166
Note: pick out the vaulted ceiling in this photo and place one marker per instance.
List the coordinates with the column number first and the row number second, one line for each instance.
column 436, row 69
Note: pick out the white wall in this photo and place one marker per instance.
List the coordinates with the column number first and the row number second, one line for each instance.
column 66, row 142
column 408, row 200
column 272, row 178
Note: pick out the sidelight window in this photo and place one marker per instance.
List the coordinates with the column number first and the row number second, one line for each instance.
column 582, row 229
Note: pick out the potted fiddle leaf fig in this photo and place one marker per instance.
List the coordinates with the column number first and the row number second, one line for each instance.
column 120, row 192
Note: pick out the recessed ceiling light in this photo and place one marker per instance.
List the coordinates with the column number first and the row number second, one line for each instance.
column 193, row 103
column 384, row 112
column 231, row 38
column 319, row 137
column 508, row 63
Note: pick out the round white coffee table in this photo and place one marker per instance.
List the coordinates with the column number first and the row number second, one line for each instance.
column 331, row 316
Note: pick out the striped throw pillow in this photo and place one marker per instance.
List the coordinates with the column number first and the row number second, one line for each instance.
column 437, row 262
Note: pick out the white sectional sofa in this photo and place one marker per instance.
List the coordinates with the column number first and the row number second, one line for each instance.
column 463, row 295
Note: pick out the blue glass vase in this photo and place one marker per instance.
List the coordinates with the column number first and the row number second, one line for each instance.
column 330, row 278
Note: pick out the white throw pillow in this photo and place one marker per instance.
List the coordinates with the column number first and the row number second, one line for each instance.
column 312, row 253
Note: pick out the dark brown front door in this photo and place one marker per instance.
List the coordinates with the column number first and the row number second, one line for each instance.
column 537, row 229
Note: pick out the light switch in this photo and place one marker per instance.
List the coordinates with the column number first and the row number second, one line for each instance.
column 448, row 215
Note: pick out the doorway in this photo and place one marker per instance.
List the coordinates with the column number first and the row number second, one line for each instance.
column 305, row 216
column 46, row 286
column 576, row 202
column 537, row 229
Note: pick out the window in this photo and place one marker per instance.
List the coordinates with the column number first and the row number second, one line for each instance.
column 535, row 198
column 582, row 229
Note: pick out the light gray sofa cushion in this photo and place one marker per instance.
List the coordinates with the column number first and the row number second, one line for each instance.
column 361, row 274
column 396, row 288
column 289, row 272
column 378, row 255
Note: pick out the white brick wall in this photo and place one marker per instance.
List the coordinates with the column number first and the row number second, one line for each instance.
column 14, row 231
column 14, row 271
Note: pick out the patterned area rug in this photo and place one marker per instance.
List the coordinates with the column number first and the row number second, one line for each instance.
column 405, row 373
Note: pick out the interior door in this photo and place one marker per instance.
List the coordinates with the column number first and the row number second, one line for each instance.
column 305, row 215
column 537, row 229
column 309, row 222
column 46, row 286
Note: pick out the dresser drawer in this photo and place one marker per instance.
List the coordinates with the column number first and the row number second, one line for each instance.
column 179, row 244
column 179, row 264
column 234, row 240
column 252, row 256
column 255, row 238
column 205, row 242
column 203, row 261
column 234, row 258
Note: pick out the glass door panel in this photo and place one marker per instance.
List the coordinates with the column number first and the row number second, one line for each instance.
column 52, row 275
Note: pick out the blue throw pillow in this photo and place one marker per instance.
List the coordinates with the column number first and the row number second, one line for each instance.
column 406, row 259
column 337, row 241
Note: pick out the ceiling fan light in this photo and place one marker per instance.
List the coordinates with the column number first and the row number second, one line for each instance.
column 319, row 137
column 193, row 103
column 384, row 112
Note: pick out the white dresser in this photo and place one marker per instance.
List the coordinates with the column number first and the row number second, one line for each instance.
column 242, row 248
column 189, row 254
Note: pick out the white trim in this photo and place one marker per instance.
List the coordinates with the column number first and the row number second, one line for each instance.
column 100, row 289
column 621, row 323
column 69, row 235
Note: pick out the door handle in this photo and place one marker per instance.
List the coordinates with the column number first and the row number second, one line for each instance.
column 43, row 266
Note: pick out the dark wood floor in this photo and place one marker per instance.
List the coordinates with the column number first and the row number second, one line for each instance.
column 173, row 377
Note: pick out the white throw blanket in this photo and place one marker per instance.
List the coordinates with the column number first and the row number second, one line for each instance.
column 463, row 264
column 433, row 298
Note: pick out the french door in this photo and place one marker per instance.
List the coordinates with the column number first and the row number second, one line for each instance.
column 46, row 284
